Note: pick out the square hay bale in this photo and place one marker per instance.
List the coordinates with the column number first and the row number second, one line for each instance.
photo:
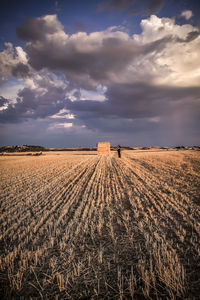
column 103, row 148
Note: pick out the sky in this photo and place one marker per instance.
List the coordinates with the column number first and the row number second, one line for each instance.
column 74, row 73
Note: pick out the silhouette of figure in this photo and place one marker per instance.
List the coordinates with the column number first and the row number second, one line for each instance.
column 119, row 151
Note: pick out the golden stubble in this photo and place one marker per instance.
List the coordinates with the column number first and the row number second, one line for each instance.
column 74, row 224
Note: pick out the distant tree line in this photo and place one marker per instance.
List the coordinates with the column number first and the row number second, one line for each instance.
column 23, row 148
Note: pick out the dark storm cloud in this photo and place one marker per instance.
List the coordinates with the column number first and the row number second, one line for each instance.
column 125, row 102
column 34, row 104
column 3, row 101
column 13, row 62
column 112, row 55
column 34, row 29
column 114, row 124
column 190, row 37
column 10, row 115
column 104, row 53
column 20, row 70
column 147, row 7
column 129, row 102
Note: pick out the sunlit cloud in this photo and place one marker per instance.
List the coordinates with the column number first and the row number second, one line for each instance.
column 60, row 125
column 187, row 14
column 63, row 114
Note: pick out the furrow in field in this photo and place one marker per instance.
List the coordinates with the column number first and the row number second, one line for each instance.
column 67, row 201
column 32, row 192
column 171, row 209
column 25, row 180
column 45, row 204
column 27, row 173
column 77, row 222
column 77, row 185
column 170, row 196
column 173, row 173
column 147, row 230
column 175, row 235
column 33, row 195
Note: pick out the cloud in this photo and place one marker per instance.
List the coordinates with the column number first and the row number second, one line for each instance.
column 173, row 65
column 13, row 61
column 89, row 65
column 113, row 56
column 3, row 102
column 35, row 29
column 60, row 125
column 44, row 97
column 20, row 70
column 155, row 28
column 140, row 101
column 39, row 133
column 190, row 37
column 109, row 81
column 187, row 14
column 10, row 89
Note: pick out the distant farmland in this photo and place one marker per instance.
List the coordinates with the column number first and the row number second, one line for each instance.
column 76, row 225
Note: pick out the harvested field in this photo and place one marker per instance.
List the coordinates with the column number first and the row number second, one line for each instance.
column 77, row 226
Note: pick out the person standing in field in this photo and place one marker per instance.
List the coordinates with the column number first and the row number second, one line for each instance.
column 119, row 151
